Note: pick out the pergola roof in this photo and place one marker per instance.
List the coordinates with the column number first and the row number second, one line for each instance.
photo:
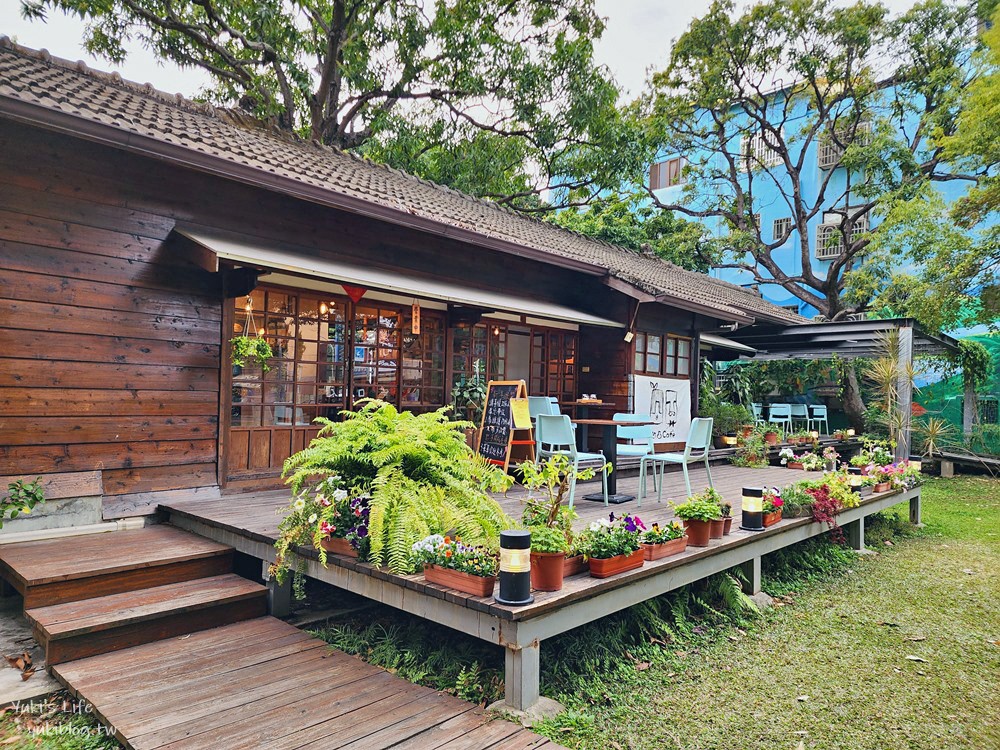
column 846, row 339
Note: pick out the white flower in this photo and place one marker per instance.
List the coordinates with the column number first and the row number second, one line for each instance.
column 600, row 524
column 339, row 495
column 313, row 518
column 299, row 504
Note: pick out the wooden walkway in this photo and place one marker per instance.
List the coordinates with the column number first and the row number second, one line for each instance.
column 265, row 684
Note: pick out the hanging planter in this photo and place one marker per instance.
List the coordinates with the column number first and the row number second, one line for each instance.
column 250, row 347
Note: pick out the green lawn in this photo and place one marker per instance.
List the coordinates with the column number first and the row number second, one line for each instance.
column 900, row 650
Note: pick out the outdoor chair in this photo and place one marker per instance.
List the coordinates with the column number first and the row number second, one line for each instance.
column 699, row 440
column 538, row 405
column 641, row 434
column 780, row 414
column 800, row 415
column 819, row 417
column 554, row 437
column 758, row 413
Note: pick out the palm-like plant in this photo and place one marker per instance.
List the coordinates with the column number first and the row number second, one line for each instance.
column 421, row 477
column 935, row 434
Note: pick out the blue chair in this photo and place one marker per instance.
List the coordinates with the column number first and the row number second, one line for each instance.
column 780, row 414
column 554, row 437
column 819, row 416
column 539, row 405
column 699, row 440
column 799, row 414
column 640, row 437
column 758, row 413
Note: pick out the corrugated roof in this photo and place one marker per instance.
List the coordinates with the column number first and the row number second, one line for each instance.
column 105, row 99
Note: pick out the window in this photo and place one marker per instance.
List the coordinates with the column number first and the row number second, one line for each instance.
column 763, row 150
column 376, row 353
column 553, row 364
column 662, row 355
column 423, row 362
column 781, row 227
column 831, row 149
column 667, row 173
column 829, row 237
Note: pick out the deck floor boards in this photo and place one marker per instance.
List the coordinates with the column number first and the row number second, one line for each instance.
column 263, row 683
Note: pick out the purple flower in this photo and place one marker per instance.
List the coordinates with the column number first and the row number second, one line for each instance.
column 612, row 517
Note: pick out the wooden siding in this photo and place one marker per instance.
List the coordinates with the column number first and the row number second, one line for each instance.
column 110, row 343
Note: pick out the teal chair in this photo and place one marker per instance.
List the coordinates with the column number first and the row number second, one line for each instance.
column 819, row 417
column 640, row 437
column 554, row 437
column 758, row 413
column 780, row 414
column 696, row 448
column 799, row 414
column 538, row 405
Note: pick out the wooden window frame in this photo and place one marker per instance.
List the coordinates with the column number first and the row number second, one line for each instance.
column 667, row 173
column 671, row 364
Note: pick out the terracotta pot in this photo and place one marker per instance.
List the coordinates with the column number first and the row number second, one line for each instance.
column 716, row 528
column 728, row 521
column 673, row 547
column 615, row 565
column 547, row 570
column 745, row 430
column 771, row 438
column 699, row 533
column 882, row 487
column 795, row 465
column 772, row 518
column 339, row 547
column 456, row 579
column 574, row 566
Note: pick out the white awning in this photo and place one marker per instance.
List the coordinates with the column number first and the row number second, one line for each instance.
column 718, row 342
column 240, row 252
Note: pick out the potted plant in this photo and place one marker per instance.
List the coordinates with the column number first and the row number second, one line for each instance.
column 811, row 462
column 548, row 557
column 552, row 477
column 448, row 562
column 345, row 525
column 468, row 398
column 613, row 546
column 576, row 558
column 830, row 457
column 726, row 508
column 662, row 541
column 789, row 459
column 699, row 511
column 773, row 434
column 772, row 506
column 752, row 454
column 796, row 502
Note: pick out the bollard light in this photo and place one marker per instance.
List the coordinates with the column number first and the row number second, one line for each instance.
column 753, row 509
column 854, row 477
column 850, row 432
column 515, row 569
column 815, row 435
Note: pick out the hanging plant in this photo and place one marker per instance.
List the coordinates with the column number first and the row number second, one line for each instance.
column 252, row 347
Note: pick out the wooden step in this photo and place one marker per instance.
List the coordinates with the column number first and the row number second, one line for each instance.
column 56, row 571
column 75, row 630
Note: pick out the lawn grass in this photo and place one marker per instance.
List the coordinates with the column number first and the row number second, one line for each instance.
column 829, row 668
column 55, row 723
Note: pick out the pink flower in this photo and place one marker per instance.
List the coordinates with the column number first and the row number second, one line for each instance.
column 323, row 501
column 327, row 528
column 777, row 502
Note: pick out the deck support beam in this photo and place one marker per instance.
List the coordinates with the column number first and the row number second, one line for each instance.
column 279, row 595
column 855, row 532
column 915, row 516
column 522, row 669
column 751, row 569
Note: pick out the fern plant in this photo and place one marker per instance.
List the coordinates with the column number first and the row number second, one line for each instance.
column 420, row 475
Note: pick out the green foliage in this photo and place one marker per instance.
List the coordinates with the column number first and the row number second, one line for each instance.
column 251, row 347
column 420, row 475
column 976, row 362
column 705, row 506
column 548, row 539
column 446, row 552
column 751, row 453
column 469, row 394
column 985, row 438
column 20, row 499
column 55, row 722
column 605, row 539
column 726, row 418
column 497, row 98
column 657, row 534
column 630, row 222
column 934, row 435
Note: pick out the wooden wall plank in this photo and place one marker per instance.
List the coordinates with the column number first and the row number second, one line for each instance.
column 144, row 503
column 31, row 373
column 239, row 450
column 158, row 478
column 62, row 346
column 42, row 316
column 66, row 484
column 260, row 449
column 50, row 402
column 59, row 430
column 39, row 459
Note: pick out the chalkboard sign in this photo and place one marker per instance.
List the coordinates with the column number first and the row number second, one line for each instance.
column 496, row 429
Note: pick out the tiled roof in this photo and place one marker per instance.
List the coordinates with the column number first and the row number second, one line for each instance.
column 104, row 99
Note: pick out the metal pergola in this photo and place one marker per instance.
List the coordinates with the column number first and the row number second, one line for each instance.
column 853, row 340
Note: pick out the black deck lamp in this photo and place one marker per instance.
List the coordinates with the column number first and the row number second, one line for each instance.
column 515, row 568
column 753, row 509
column 855, row 478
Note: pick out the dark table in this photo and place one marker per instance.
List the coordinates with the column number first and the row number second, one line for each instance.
column 609, row 443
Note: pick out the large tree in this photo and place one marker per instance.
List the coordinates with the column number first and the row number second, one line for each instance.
column 497, row 97
column 747, row 96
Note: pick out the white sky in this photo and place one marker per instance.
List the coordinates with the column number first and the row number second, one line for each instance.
column 637, row 37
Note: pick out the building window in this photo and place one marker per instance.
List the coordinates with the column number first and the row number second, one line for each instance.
column 662, row 355
column 831, row 149
column 781, row 227
column 423, row 362
column 762, row 150
column 830, row 236
column 667, row 173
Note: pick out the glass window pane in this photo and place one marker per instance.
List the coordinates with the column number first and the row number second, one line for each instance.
column 640, row 342
column 640, row 360
column 242, row 415
column 683, row 347
column 278, row 393
column 652, row 363
column 653, row 344
column 684, row 367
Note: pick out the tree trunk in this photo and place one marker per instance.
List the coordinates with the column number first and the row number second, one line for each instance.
column 854, row 405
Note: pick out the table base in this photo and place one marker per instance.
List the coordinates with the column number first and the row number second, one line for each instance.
column 598, row 497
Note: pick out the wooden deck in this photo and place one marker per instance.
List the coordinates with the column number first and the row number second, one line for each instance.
column 249, row 524
column 263, row 683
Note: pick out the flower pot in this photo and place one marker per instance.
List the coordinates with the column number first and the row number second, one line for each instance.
column 456, row 579
column 772, row 518
column 574, row 566
column 771, row 438
column 547, row 570
column 673, row 547
column 882, row 487
column 795, row 465
column 340, row 547
column 617, row 564
column 727, row 524
column 716, row 528
column 745, row 430
column 699, row 533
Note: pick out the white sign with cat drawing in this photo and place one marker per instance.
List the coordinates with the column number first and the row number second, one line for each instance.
column 667, row 401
